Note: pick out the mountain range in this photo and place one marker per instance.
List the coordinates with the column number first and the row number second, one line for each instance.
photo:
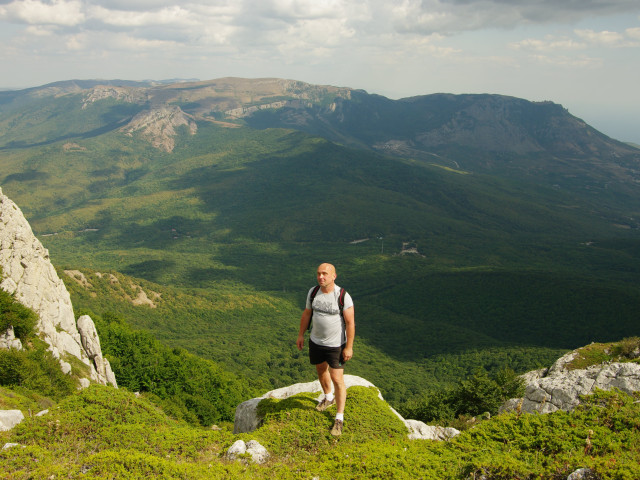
column 471, row 230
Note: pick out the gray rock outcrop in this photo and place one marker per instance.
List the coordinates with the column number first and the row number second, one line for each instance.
column 247, row 419
column 559, row 388
column 28, row 274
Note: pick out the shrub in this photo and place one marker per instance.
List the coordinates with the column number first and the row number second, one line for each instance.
column 476, row 395
column 14, row 314
column 35, row 370
column 193, row 389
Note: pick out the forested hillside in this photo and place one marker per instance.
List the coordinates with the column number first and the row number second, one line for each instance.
column 222, row 198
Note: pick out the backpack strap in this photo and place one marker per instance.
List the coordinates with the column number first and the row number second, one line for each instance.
column 341, row 306
column 314, row 292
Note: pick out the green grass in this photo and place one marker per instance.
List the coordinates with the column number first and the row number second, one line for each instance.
column 625, row 350
column 105, row 433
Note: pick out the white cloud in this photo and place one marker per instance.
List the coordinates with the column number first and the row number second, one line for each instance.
column 138, row 45
column 548, row 44
column 603, row 38
column 76, row 42
column 35, row 12
column 633, row 33
column 583, row 39
column 39, row 31
column 628, row 38
column 567, row 62
column 171, row 15
column 306, row 9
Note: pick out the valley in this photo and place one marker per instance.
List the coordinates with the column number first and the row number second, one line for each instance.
column 525, row 220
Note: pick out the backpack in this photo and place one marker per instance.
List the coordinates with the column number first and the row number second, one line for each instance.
column 314, row 292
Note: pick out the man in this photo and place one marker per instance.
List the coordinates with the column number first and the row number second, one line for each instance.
column 330, row 341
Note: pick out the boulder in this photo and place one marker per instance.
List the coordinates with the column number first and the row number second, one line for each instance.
column 9, row 419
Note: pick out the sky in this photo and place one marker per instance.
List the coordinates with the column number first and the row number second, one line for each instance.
column 583, row 54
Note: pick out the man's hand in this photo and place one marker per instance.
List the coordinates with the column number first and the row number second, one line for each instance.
column 347, row 354
column 300, row 342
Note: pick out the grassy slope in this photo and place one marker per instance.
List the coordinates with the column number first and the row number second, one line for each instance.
column 101, row 432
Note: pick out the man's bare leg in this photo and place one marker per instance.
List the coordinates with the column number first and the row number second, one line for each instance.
column 337, row 378
column 324, row 377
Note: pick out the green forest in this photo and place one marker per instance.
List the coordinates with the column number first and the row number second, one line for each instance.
column 467, row 268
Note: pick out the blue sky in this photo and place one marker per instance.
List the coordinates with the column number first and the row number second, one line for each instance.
column 583, row 54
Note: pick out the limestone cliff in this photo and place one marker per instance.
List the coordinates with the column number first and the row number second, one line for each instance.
column 28, row 274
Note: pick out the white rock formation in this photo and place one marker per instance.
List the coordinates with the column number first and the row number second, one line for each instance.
column 28, row 274
column 558, row 388
column 247, row 420
column 420, row 431
column 91, row 344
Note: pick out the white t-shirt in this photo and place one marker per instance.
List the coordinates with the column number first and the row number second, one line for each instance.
column 326, row 323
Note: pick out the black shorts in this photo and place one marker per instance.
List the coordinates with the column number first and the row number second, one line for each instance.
column 332, row 355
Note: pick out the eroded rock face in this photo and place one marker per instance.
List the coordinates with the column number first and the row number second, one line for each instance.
column 28, row 274
column 159, row 124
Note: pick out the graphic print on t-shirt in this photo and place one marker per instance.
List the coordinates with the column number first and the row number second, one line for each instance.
column 325, row 305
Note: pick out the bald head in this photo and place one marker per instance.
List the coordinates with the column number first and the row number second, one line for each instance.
column 327, row 267
column 326, row 277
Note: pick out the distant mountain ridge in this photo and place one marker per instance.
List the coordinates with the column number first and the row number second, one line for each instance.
column 496, row 134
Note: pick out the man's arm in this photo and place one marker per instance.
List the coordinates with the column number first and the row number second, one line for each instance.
column 304, row 325
column 350, row 324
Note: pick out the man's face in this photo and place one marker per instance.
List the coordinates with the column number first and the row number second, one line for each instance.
column 326, row 275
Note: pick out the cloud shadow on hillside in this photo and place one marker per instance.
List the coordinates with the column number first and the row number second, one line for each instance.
column 152, row 270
